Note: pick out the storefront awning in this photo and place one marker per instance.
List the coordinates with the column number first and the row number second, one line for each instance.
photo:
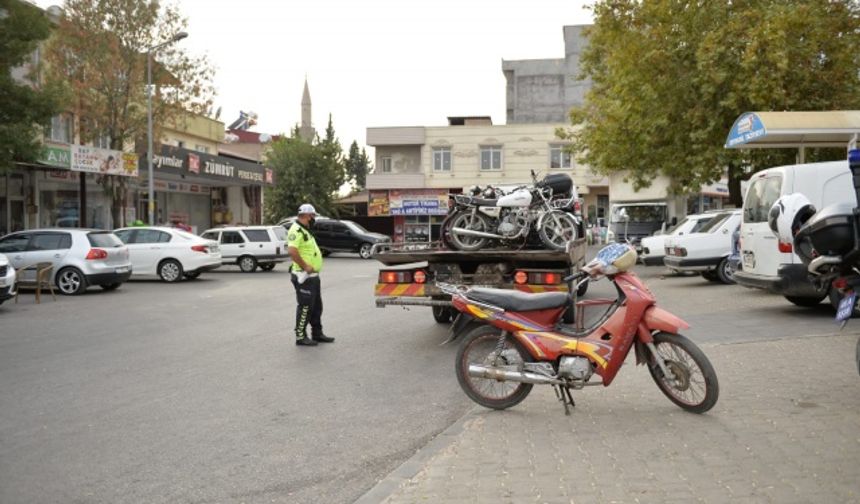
column 795, row 130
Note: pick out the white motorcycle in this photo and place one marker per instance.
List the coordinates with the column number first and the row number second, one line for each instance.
column 525, row 215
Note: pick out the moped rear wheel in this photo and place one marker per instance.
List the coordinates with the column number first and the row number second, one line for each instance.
column 472, row 222
column 480, row 347
column 693, row 382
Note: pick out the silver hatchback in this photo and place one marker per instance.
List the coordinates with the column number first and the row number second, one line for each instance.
column 80, row 257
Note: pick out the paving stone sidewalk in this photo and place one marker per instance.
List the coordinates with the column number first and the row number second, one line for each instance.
column 786, row 429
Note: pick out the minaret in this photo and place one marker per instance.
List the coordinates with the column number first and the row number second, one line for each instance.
column 306, row 131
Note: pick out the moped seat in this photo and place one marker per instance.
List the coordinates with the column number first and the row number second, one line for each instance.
column 484, row 202
column 513, row 300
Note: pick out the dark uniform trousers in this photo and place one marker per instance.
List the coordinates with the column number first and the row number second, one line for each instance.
column 310, row 306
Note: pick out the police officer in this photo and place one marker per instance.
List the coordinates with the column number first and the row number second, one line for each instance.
column 304, row 273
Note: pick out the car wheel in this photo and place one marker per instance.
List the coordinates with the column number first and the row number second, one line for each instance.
column 725, row 272
column 71, row 282
column 191, row 275
column 247, row 264
column 364, row 250
column 170, row 270
column 110, row 287
column 836, row 296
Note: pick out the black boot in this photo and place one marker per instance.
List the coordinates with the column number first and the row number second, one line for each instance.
column 305, row 342
column 322, row 338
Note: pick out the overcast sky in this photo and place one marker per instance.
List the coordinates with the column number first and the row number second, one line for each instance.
column 370, row 62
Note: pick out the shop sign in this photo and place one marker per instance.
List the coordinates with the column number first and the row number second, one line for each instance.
column 377, row 204
column 55, row 156
column 747, row 128
column 183, row 162
column 418, row 201
column 180, row 187
column 61, row 175
column 102, row 161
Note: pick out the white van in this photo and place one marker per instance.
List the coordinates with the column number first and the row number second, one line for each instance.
column 767, row 263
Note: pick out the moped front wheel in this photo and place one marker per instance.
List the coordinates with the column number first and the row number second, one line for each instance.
column 692, row 383
column 480, row 347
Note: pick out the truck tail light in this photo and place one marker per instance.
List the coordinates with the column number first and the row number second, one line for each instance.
column 199, row 248
column 96, row 254
column 419, row 277
column 537, row 278
column 521, row 277
column 784, row 247
column 395, row 277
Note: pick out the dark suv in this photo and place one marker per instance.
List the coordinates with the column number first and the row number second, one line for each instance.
column 343, row 236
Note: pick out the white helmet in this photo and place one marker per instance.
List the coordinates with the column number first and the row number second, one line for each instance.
column 788, row 215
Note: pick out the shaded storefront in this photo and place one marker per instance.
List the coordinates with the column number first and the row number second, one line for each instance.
column 203, row 190
column 414, row 215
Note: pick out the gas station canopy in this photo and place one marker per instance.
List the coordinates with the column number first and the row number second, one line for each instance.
column 796, row 130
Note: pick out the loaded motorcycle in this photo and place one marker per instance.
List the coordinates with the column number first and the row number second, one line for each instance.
column 520, row 341
column 513, row 218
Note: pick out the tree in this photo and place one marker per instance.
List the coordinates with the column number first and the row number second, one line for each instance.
column 304, row 173
column 357, row 166
column 100, row 48
column 25, row 105
column 670, row 77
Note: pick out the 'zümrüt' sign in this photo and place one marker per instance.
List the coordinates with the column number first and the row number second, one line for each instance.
column 199, row 164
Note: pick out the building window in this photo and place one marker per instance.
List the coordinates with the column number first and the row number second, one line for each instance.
column 61, row 128
column 386, row 165
column 491, row 157
column 102, row 141
column 202, row 148
column 559, row 157
column 441, row 159
column 180, row 144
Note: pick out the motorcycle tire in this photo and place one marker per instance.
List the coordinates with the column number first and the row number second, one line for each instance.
column 486, row 337
column 476, row 222
column 549, row 222
column 679, row 353
column 445, row 230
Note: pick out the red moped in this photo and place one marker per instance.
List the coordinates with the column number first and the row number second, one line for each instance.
column 522, row 342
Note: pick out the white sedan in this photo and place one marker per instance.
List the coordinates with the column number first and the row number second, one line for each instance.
column 169, row 253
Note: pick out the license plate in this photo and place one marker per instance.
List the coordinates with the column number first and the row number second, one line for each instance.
column 2, row 282
column 846, row 307
column 122, row 270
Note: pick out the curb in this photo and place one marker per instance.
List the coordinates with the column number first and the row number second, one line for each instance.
column 407, row 470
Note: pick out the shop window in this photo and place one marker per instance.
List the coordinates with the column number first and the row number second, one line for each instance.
column 417, row 228
column 491, row 157
column 559, row 157
column 441, row 159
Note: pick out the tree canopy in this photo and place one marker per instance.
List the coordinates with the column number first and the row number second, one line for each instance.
column 304, row 173
column 357, row 166
column 670, row 77
column 29, row 103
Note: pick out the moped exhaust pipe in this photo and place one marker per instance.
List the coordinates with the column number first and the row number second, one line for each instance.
column 479, row 234
column 820, row 261
column 477, row 371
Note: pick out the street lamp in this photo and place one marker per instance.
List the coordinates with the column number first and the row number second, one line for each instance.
column 151, row 200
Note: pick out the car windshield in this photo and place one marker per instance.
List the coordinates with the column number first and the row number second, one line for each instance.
column 715, row 223
column 640, row 213
column 355, row 226
column 677, row 226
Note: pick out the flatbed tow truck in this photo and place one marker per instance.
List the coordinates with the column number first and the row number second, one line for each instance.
column 410, row 272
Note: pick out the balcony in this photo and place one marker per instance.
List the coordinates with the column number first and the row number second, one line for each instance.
column 396, row 181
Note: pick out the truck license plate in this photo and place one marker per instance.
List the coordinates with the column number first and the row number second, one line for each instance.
column 846, row 307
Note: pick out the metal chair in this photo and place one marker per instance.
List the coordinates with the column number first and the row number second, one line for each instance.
column 43, row 280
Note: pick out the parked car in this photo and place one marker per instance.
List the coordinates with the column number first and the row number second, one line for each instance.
column 169, row 253
column 653, row 247
column 346, row 236
column 7, row 279
column 765, row 262
column 706, row 252
column 251, row 246
column 80, row 257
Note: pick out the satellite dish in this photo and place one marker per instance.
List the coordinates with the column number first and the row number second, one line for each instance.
column 218, row 113
column 265, row 138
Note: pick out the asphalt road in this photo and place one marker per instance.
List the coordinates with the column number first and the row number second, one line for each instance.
column 196, row 393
